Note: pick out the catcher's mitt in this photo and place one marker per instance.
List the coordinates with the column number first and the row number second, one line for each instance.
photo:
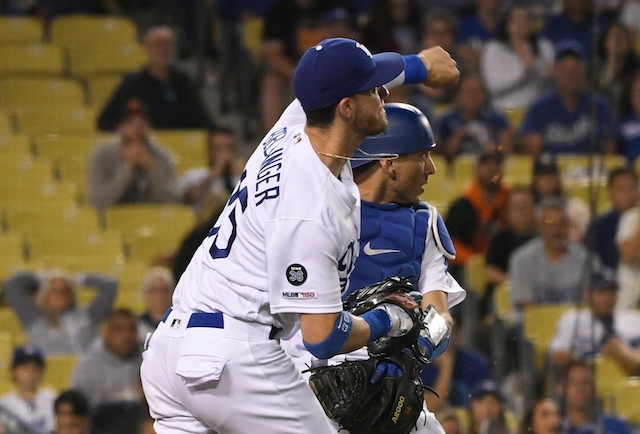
column 393, row 290
column 392, row 406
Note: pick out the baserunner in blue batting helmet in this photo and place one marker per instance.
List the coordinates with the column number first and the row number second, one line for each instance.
column 409, row 131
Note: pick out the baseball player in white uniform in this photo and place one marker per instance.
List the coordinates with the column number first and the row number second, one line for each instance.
column 279, row 257
column 413, row 240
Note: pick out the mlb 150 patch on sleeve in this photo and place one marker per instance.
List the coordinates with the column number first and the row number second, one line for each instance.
column 298, row 294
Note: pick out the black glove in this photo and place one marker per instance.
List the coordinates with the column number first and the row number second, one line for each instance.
column 390, row 406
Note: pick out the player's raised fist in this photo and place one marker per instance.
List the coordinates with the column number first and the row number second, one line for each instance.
column 441, row 66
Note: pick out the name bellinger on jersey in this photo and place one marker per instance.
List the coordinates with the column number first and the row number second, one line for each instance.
column 229, row 274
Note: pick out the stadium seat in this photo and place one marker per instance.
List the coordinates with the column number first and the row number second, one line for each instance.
column 627, row 401
column 188, row 145
column 77, row 251
column 9, row 323
column 20, row 30
column 515, row 116
column 84, row 31
column 130, row 300
column 575, row 168
column 442, row 166
column 59, row 148
column 463, row 168
column 475, row 274
column 609, row 375
column 62, row 218
column 539, row 325
column 502, row 306
column 24, row 169
column 41, row 93
column 101, row 89
column 518, row 170
column 6, row 350
column 37, row 193
column 15, row 146
column 252, row 28
column 582, row 192
column 36, row 60
column 11, row 254
column 148, row 220
column 130, row 277
column 106, row 59
column 58, row 372
column 63, row 121
column 75, row 170
column 144, row 247
column 6, row 125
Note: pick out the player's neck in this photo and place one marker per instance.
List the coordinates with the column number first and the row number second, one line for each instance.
column 333, row 145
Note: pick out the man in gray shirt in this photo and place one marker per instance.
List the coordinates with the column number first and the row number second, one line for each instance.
column 109, row 376
column 549, row 269
column 132, row 169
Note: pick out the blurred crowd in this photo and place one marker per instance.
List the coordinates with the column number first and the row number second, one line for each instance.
column 543, row 81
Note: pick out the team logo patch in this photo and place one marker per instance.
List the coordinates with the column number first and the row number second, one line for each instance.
column 296, row 294
column 297, row 275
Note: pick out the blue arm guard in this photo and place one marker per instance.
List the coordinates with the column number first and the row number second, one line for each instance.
column 379, row 323
column 414, row 69
column 336, row 339
column 431, row 353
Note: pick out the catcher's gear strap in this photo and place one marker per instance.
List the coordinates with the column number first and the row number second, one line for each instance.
column 436, row 331
column 441, row 234
column 336, row 339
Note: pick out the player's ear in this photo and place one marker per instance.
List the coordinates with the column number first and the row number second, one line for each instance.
column 346, row 108
column 389, row 168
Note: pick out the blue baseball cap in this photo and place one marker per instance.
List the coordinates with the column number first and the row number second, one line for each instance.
column 569, row 47
column 339, row 67
column 409, row 131
column 27, row 353
column 487, row 387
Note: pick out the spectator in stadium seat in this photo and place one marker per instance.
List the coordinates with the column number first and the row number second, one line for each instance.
column 617, row 60
column 516, row 64
column 109, row 376
column 30, row 402
column 475, row 30
column 53, row 322
column 132, row 169
column 472, row 126
column 585, row 333
column 542, row 417
column 576, row 391
column 575, row 22
column 73, row 414
column 549, row 268
column 290, row 27
column 630, row 17
column 622, row 188
column 220, row 177
column 453, row 377
column 487, row 409
column 559, row 122
column 628, row 242
column 173, row 99
column 547, row 183
column 521, row 229
column 630, row 119
column 450, row 422
column 393, row 26
column 157, row 289
column 480, row 213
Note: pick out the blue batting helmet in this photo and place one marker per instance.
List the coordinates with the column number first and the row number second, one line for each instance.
column 409, row 130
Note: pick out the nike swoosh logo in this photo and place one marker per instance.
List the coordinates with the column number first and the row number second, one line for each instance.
column 372, row 252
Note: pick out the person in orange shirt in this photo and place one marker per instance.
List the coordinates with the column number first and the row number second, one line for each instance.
column 480, row 213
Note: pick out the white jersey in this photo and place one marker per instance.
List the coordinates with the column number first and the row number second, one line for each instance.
column 285, row 243
column 37, row 414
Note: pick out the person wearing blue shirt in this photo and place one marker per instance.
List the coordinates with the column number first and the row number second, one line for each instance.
column 575, row 23
column 576, row 389
column 560, row 121
column 622, row 188
column 472, row 126
column 476, row 29
column 630, row 119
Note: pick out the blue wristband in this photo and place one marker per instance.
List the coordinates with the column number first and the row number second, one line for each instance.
column 336, row 339
column 379, row 323
column 414, row 70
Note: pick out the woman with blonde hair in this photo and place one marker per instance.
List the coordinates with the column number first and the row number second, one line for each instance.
column 52, row 320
